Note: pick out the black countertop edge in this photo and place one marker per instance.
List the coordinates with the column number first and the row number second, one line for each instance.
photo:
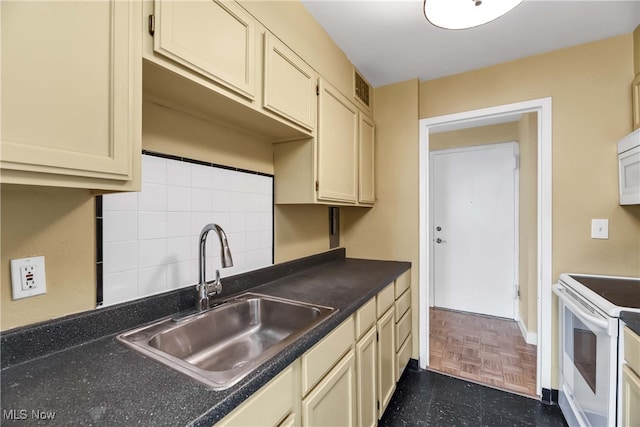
column 632, row 320
column 26, row 343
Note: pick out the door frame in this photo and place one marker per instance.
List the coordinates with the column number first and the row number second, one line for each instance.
column 543, row 108
column 516, row 212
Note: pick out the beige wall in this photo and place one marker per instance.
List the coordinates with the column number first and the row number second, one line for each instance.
column 389, row 229
column 524, row 132
column 528, row 222
column 59, row 224
column 589, row 85
column 636, row 50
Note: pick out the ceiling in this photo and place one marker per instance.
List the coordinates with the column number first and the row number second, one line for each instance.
column 391, row 41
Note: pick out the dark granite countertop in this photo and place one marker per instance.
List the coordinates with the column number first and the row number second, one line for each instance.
column 632, row 320
column 99, row 382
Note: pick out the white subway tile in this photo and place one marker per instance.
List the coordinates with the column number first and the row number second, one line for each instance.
column 257, row 221
column 237, row 181
column 120, row 256
column 180, row 274
column 237, row 242
column 259, row 240
column 178, row 224
column 119, row 287
column 154, row 169
column 178, row 249
column 237, row 201
column 152, row 280
column 152, row 252
column 259, row 184
column 238, row 223
column 178, row 199
column 153, row 197
column 120, row 202
column 221, row 178
column 201, row 200
column 119, row 226
column 178, row 173
column 152, row 225
column 201, row 176
column 221, row 201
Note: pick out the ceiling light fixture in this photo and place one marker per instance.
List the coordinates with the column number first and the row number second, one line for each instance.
column 461, row 14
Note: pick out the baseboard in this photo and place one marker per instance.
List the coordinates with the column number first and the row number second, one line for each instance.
column 529, row 337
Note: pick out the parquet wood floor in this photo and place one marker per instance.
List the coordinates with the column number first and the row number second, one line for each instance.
column 482, row 349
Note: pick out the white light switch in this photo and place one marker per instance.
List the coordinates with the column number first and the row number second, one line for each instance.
column 599, row 228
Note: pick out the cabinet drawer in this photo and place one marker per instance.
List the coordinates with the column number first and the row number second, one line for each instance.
column 403, row 282
column 632, row 349
column 321, row 358
column 269, row 406
column 365, row 318
column 402, row 304
column 384, row 300
column 402, row 357
column 403, row 329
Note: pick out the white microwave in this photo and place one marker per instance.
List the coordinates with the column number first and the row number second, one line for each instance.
column 629, row 168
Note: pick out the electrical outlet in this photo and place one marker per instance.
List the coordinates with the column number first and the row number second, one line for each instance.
column 28, row 277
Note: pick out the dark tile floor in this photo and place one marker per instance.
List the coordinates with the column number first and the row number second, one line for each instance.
column 425, row 398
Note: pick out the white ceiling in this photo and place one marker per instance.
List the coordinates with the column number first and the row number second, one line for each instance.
column 391, row 41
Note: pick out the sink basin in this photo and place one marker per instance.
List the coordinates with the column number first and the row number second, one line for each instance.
column 223, row 345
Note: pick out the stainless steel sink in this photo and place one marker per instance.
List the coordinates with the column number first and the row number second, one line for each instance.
column 221, row 346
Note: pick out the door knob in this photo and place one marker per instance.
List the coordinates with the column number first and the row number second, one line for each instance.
column 439, row 240
column 438, row 228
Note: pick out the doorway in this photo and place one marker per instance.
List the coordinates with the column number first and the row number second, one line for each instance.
column 474, row 208
column 542, row 235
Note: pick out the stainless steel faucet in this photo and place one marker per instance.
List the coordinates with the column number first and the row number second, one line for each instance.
column 206, row 289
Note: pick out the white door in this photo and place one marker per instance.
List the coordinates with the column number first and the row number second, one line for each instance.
column 474, row 229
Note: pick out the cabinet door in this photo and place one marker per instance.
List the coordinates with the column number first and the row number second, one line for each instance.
column 366, row 181
column 289, row 84
column 367, row 387
column 630, row 397
column 272, row 405
column 337, row 146
column 333, row 401
column 213, row 38
column 71, row 92
column 386, row 360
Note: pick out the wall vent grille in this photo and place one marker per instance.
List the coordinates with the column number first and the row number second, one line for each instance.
column 361, row 89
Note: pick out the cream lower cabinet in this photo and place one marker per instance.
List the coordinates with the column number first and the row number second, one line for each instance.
column 275, row 404
column 367, row 364
column 403, row 336
column 630, row 379
column 386, row 360
column 333, row 401
column 71, row 94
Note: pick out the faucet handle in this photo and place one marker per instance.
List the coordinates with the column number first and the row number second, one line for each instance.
column 217, row 283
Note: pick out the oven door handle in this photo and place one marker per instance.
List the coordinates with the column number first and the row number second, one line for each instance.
column 578, row 310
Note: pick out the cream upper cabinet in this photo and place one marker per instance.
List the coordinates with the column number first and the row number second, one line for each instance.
column 213, row 38
column 337, row 146
column 366, row 163
column 289, row 84
column 71, row 94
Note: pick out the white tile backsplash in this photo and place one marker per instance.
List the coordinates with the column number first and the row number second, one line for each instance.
column 150, row 238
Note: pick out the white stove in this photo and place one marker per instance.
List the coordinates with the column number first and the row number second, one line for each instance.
column 590, row 307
